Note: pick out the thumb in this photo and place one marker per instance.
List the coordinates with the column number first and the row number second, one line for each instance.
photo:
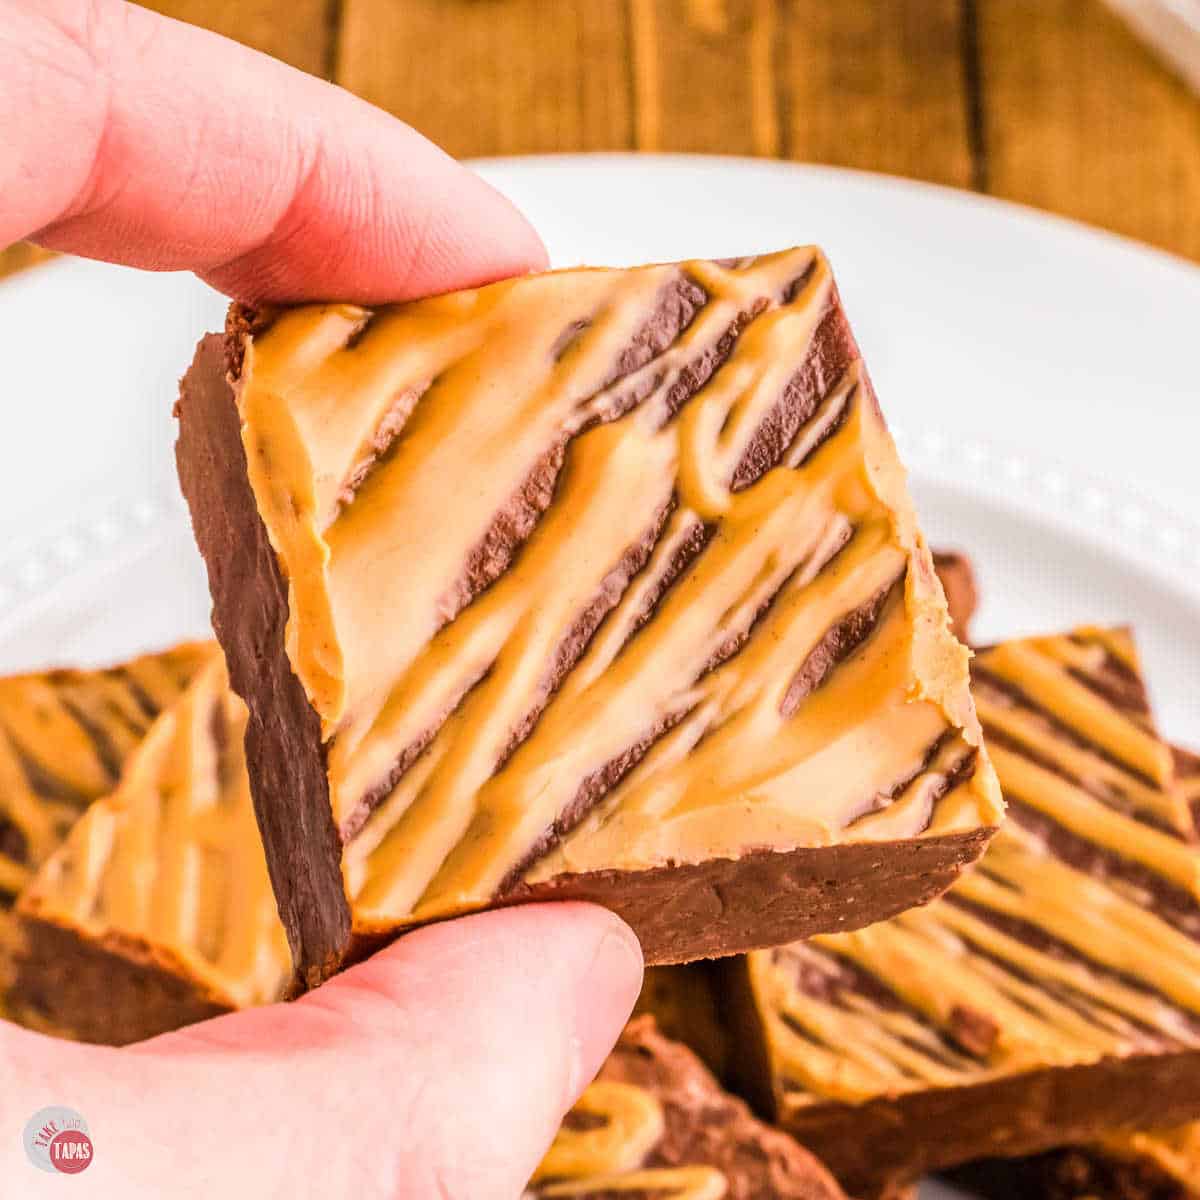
column 442, row 1067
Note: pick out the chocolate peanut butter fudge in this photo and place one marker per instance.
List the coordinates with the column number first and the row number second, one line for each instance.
column 1144, row 1164
column 599, row 584
column 655, row 1126
column 64, row 737
column 1052, row 996
column 157, row 910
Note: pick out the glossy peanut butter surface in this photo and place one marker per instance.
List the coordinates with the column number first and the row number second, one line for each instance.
column 522, row 546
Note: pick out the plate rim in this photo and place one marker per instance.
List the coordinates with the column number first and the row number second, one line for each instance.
column 982, row 202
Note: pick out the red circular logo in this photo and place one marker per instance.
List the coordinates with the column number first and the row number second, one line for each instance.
column 71, row 1152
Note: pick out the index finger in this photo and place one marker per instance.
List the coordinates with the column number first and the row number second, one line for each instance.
column 149, row 142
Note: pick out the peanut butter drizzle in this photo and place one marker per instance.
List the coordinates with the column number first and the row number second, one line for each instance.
column 169, row 868
column 968, row 999
column 63, row 737
column 609, row 1156
column 372, row 534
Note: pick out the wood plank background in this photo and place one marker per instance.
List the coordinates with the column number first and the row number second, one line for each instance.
column 1049, row 102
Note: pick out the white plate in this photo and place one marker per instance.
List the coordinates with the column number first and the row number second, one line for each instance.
column 1041, row 378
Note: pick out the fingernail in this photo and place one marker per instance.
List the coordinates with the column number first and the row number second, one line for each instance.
column 604, row 997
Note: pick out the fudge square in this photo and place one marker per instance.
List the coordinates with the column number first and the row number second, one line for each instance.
column 1122, row 1164
column 597, row 584
column 1051, row 997
column 65, row 735
column 156, row 911
column 656, row 1126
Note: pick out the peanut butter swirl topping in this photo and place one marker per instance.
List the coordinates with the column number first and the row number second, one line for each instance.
column 65, row 736
column 1076, row 937
column 168, row 869
column 602, row 570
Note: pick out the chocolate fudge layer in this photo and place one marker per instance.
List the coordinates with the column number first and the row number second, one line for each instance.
column 157, row 910
column 64, row 737
column 600, row 584
column 656, row 1126
column 1052, row 996
column 682, row 1001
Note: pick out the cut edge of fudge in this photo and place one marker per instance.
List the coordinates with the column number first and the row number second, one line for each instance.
column 107, row 990
column 733, row 900
column 681, row 1134
column 156, row 910
column 1055, row 1046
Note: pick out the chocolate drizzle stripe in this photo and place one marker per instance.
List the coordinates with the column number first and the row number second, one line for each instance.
column 957, row 773
column 1031, row 934
column 836, row 645
column 46, row 784
column 141, row 697
column 498, row 548
column 830, row 355
column 983, row 678
column 692, row 377
column 102, row 742
column 1120, row 801
column 382, row 442
column 824, row 554
column 825, row 424
column 687, row 550
column 852, row 987
column 1127, row 695
column 578, row 637
column 1172, row 903
column 678, row 304
column 592, row 792
column 379, row 792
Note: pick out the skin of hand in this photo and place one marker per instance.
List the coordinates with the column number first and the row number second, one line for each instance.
column 441, row 1068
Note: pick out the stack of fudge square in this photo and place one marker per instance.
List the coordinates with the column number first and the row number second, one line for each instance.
column 606, row 585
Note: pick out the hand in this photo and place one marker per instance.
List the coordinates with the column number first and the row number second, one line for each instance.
column 148, row 142
column 438, row 1070
column 442, row 1067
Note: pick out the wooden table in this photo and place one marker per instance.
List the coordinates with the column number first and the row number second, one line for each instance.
column 1050, row 102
